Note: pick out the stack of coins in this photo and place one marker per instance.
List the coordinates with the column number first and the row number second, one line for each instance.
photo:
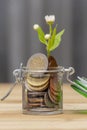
column 37, row 83
column 43, row 89
column 35, row 99
column 37, row 86
column 53, row 95
column 54, row 91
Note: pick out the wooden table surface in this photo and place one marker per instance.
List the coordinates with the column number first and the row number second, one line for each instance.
column 73, row 118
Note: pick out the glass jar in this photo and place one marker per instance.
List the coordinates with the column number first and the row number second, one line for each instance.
column 42, row 91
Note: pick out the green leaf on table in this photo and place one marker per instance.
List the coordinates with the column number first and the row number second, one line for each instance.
column 81, row 84
column 79, row 91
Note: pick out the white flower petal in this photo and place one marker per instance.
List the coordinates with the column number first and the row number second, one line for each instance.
column 50, row 18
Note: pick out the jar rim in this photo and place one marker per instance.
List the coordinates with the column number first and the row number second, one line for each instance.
column 50, row 70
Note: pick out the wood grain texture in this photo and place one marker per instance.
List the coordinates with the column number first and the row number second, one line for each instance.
column 73, row 118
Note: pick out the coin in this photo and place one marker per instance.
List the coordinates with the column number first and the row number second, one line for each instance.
column 55, row 96
column 52, row 62
column 55, row 93
column 35, row 94
column 34, row 81
column 54, row 86
column 38, row 88
column 47, row 101
column 54, row 99
column 35, row 100
column 27, row 87
column 37, row 61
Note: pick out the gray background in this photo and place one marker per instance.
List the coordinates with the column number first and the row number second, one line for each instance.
column 18, row 40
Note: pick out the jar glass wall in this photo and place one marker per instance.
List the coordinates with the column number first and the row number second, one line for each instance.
column 42, row 91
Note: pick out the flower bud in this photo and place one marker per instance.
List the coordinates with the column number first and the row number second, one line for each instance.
column 36, row 26
column 47, row 36
column 50, row 18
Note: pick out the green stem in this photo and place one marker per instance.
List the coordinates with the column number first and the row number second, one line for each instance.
column 48, row 53
column 50, row 28
column 50, row 31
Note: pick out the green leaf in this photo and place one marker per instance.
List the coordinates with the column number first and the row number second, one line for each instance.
column 57, row 40
column 80, row 83
column 41, row 36
column 79, row 91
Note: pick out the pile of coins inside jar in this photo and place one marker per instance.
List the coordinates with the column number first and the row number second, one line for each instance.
column 44, row 88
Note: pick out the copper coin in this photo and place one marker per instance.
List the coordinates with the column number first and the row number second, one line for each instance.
column 52, row 62
column 53, row 92
column 54, row 99
column 54, row 83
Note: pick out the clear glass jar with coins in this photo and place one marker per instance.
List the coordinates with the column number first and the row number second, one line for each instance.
column 41, row 80
column 42, row 87
column 42, row 91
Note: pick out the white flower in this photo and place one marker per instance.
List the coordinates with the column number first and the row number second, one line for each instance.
column 36, row 26
column 47, row 36
column 50, row 18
